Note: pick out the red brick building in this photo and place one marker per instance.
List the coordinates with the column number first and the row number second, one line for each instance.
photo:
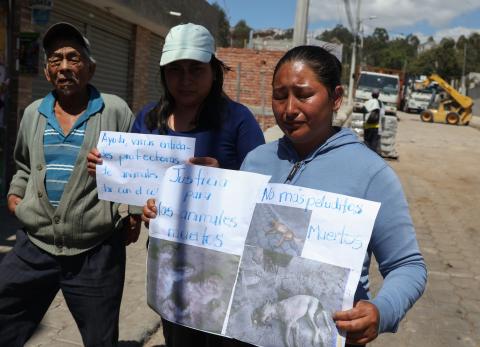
column 250, row 81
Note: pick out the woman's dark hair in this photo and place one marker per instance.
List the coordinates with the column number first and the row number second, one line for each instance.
column 324, row 64
column 210, row 113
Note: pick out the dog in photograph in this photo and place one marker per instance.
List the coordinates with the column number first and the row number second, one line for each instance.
column 286, row 234
column 289, row 312
column 195, row 300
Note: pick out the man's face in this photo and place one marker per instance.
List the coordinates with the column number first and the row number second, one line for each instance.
column 68, row 69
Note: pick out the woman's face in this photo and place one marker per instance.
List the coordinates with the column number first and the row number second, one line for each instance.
column 188, row 81
column 302, row 107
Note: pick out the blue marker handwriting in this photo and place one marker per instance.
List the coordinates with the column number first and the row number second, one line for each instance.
column 205, row 218
column 201, row 237
column 113, row 139
column 341, row 204
column 342, row 237
column 200, row 179
column 132, row 190
column 157, row 157
column 190, row 194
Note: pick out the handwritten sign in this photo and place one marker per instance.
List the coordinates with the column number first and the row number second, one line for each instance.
column 340, row 226
column 134, row 164
column 232, row 255
column 207, row 207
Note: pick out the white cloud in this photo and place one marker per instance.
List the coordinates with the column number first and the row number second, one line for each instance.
column 421, row 36
column 393, row 14
column 454, row 33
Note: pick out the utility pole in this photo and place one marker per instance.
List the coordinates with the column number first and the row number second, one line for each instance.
column 464, row 78
column 301, row 23
column 355, row 29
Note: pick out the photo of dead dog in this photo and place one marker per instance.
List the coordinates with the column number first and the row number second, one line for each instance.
column 190, row 285
column 280, row 300
column 278, row 228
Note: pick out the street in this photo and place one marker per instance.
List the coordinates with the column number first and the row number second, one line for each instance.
column 439, row 169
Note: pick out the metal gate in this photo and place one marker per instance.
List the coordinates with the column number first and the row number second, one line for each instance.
column 154, row 85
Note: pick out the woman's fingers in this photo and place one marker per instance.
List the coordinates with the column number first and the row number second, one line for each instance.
column 360, row 323
column 204, row 161
column 149, row 211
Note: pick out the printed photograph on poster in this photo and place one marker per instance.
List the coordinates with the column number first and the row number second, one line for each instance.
column 280, row 300
column 190, row 285
column 281, row 229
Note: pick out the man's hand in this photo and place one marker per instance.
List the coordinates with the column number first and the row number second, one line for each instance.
column 360, row 323
column 132, row 228
column 149, row 212
column 93, row 159
column 13, row 200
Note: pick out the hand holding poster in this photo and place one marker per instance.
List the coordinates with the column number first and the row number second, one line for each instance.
column 134, row 164
column 300, row 259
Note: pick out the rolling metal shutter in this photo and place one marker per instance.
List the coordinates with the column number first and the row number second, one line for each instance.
column 154, row 85
column 110, row 40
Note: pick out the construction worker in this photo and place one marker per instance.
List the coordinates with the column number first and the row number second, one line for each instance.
column 373, row 112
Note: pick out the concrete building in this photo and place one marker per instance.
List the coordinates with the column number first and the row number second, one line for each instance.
column 126, row 38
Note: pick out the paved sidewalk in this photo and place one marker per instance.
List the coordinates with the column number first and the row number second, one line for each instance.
column 475, row 122
column 137, row 320
column 58, row 329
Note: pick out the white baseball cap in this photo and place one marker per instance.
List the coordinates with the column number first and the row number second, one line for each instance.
column 188, row 41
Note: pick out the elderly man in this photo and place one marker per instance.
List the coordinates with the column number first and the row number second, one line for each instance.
column 71, row 241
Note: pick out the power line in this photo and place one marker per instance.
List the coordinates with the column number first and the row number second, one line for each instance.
column 348, row 11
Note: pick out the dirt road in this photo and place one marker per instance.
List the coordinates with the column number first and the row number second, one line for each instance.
column 439, row 167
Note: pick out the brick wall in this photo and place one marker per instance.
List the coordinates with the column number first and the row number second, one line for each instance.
column 266, row 121
column 254, row 87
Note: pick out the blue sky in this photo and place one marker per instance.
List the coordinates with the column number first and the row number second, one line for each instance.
column 437, row 18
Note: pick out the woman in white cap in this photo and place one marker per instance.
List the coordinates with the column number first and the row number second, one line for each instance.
column 192, row 104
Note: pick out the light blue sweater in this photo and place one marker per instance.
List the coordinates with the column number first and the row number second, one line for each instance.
column 344, row 165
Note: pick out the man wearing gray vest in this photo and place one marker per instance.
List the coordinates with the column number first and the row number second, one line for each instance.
column 71, row 241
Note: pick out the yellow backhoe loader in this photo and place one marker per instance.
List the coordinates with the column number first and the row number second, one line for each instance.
column 451, row 107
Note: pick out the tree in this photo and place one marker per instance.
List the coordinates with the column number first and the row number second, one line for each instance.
column 413, row 41
column 240, row 34
column 340, row 35
column 223, row 32
column 381, row 35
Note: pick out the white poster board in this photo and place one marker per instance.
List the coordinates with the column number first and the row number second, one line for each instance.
column 134, row 164
column 295, row 262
